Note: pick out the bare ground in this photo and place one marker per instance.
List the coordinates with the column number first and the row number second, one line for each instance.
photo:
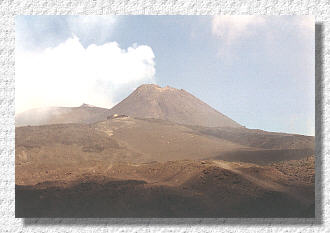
column 168, row 189
column 152, row 168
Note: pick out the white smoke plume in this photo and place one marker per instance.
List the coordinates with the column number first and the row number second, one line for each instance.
column 69, row 74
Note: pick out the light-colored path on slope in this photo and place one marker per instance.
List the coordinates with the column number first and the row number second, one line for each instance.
column 270, row 185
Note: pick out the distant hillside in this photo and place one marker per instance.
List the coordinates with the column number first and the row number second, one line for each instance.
column 61, row 115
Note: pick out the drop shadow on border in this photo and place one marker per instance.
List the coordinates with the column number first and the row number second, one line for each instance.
column 319, row 137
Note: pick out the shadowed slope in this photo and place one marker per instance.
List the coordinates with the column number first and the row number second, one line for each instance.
column 169, row 189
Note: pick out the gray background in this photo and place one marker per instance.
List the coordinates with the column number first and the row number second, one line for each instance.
column 321, row 10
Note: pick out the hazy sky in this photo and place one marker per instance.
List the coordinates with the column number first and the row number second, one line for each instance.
column 259, row 71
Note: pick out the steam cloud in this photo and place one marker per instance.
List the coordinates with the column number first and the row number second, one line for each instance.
column 69, row 74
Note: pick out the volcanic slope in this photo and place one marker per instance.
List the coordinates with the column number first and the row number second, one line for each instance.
column 123, row 139
column 146, row 140
column 168, row 103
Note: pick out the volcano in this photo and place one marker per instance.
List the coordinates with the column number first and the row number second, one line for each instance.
column 171, row 104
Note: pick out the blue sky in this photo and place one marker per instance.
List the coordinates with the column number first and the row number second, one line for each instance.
column 257, row 70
